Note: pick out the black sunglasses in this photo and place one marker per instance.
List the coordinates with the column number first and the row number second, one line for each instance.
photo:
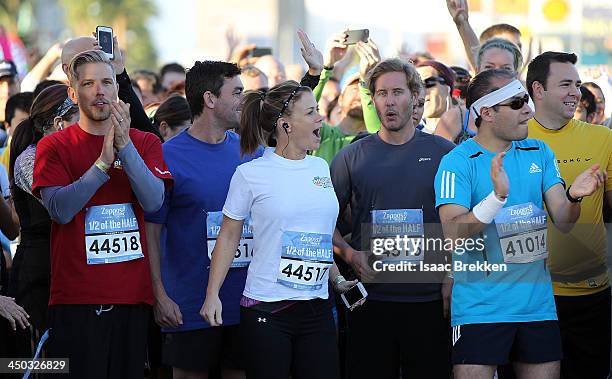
column 463, row 79
column 433, row 80
column 516, row 103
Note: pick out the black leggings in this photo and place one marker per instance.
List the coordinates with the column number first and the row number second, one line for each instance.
column 299, row 341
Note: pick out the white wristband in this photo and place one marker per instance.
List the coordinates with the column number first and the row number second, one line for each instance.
column 487, row 209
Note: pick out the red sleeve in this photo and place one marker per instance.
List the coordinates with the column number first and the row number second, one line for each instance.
column 152, row 156
column 49, row 168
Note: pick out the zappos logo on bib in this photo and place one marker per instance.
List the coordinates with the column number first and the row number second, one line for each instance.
column 521, row 211
column 322, row 181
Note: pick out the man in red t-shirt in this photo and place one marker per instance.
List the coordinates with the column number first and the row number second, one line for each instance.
column 96, row 178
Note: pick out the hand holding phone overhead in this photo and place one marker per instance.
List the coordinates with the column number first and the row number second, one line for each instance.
column 354, row 36
column 104, row 35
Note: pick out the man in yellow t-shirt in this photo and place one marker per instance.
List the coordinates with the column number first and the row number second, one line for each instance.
column 577, row 260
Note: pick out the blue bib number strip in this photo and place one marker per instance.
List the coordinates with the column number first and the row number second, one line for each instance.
column 392, row 223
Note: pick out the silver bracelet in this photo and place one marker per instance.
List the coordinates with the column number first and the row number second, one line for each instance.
column 338, row 279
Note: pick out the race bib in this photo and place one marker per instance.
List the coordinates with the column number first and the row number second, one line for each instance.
column 111, row 234
column 244, row 252
column 403, row 226
column 305, row 260
column 522, row 233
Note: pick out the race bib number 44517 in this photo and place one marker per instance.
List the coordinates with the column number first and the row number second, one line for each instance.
column 111, row 234
column 522, row 233
column 244, row 252
column 305, row 260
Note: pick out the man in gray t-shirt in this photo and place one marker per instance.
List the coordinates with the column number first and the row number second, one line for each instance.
column 387, row 179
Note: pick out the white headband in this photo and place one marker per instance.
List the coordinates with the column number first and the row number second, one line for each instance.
column 509, row 90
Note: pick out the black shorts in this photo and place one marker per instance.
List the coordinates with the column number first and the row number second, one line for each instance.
column 203, row 349
column 500, row 343
column 385, row 338
column 107, row 341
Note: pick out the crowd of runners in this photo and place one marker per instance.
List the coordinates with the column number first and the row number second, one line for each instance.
column 205, row 221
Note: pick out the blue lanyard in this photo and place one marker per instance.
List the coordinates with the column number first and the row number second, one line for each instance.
column 42, row 341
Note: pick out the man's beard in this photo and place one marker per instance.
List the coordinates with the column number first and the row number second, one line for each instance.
column 96, row 116
column 231, row 121
column 395, row 128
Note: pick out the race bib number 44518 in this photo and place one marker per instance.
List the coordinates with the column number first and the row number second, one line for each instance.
column 244, row 252
column 305, row 260
column 522, row 233
column 111, row 234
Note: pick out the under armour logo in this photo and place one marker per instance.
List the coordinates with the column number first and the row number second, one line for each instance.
column 259, row 319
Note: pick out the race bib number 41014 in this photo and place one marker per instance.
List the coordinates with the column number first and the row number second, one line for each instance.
column 244, row 252
column 305, row 260
column 522, row 233
column 111, row 234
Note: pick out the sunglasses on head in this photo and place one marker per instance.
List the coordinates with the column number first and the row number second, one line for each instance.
column 516, row 103
column 433, row 80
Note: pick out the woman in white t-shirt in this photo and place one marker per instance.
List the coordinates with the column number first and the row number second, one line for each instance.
column 286, row 317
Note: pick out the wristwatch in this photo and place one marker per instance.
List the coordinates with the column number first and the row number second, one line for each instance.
column 570, row 198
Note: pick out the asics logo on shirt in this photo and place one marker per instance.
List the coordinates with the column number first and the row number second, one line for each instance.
column 162, row 172
column 322, row 181
column 424, row 159
column 447, row 185
column 534, row 168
